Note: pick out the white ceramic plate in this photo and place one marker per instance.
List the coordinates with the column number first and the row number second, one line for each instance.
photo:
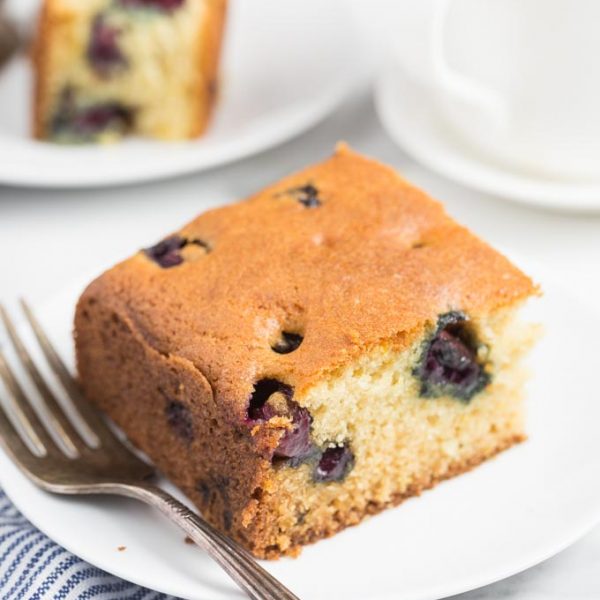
column 507, row 515
column 409, row 115
column 286, row 65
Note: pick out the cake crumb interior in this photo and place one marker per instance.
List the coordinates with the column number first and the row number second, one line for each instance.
column 402, row 443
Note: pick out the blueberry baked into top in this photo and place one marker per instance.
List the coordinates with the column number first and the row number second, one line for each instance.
column 312, row 355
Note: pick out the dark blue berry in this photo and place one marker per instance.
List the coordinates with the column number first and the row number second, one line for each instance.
column 204, row 490
column 449, row 365
column 295, row 443
column 334, row 465
column 84, row 123
column 180, row 420
column 104, row 53
column 161, row 5
column 287, row 343
column 307, row 195
column 167, row 252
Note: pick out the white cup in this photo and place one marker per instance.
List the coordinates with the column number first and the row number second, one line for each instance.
column 518, row 79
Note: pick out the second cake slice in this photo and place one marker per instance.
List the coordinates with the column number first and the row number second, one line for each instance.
column 106, row 68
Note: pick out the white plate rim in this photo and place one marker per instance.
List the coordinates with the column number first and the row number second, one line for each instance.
column 454, row 161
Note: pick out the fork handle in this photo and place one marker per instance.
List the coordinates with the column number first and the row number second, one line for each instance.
column 235, row 561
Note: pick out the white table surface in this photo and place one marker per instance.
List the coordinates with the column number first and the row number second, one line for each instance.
column 49, row 238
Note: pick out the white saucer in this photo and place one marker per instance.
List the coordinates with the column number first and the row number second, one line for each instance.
column 505, row 516
column 409, row 115
column 274, row 87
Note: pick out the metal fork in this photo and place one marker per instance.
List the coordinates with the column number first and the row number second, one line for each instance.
column 81, row 455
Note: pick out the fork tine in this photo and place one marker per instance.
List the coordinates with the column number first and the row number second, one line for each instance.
column 13, row 442
column 93, row 429
column 58, row 422
column 27, row 419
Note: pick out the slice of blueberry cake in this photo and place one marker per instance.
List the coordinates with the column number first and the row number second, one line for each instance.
column 312, row 355
column 106, row 68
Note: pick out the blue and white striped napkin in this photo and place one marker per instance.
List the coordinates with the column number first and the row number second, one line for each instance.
column 33, row 567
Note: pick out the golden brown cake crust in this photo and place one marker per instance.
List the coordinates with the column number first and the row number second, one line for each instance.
column 377, row 261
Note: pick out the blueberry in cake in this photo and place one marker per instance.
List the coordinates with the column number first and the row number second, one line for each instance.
column 106, row 68
column 310, row 356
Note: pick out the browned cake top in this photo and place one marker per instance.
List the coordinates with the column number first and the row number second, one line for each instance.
column 346, row 254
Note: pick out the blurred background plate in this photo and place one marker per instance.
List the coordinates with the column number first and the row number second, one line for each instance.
column 271, row 91
column 410, row 116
